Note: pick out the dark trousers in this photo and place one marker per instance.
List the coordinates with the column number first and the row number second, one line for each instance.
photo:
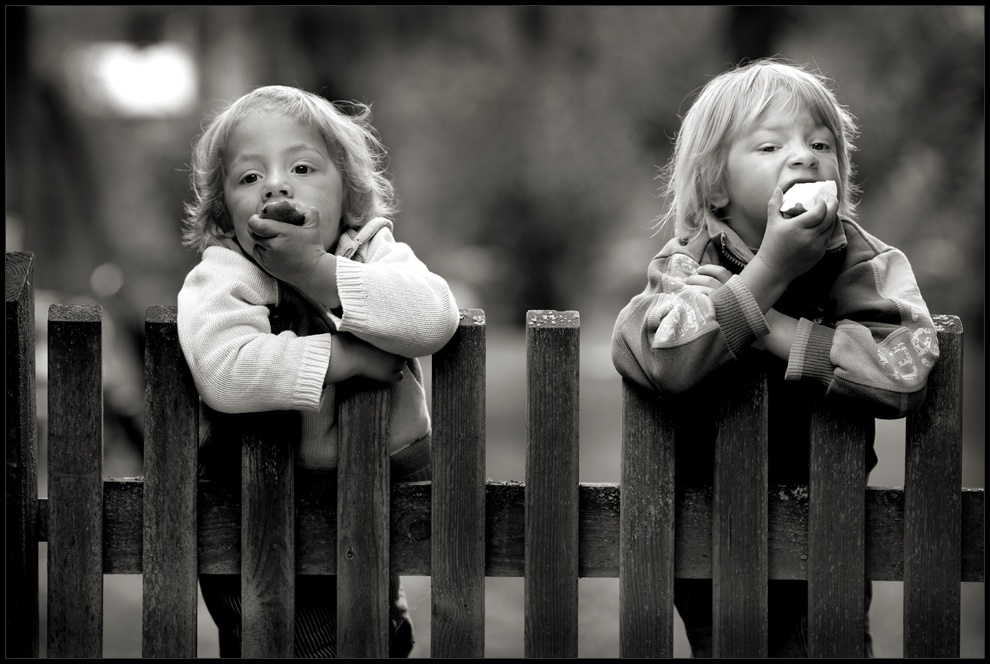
column 787, row 617
column 316, row 615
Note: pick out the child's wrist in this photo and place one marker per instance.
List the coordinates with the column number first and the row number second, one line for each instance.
column 321, row 284
column 766, row 282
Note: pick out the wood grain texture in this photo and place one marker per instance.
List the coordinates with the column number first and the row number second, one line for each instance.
column 268, row 534
column 646, row 530
column 739, row 518
column 21, row 476
column 552, row 448
column 75, row 481
column 836, row 534
column 171, row 425
column 457, row 526
column 362, row 520
column 219, row 538
column 932, row 477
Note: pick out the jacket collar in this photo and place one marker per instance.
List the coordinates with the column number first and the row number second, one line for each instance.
column 353, row 238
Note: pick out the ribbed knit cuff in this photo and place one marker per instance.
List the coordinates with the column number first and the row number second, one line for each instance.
column 352, row 292
column 412, row 463
column 811, row 353
column 738, row 314
column 312, row 373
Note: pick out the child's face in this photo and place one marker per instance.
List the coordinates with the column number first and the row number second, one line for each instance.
column 275, row 157
column 784, row 146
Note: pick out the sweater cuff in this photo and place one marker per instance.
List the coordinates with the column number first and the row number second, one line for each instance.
column 315, row 361
column 811, row 353
column 352, row 292
column 738, row 314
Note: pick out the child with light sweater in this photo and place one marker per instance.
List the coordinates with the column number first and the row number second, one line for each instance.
column 277, row 312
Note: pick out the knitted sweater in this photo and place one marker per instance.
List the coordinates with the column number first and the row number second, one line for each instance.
column 389, row 298
column 864, row 331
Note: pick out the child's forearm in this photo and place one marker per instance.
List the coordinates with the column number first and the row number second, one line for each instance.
column 781, row 337
column 321, row 284
column 764, row 282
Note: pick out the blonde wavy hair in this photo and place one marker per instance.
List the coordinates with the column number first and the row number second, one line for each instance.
column 696, row 172
column 352, row 142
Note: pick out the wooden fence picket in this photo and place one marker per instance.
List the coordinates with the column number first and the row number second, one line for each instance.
column 551, row 592
column 363, row 495
column 457, row 532
column 171, row 485
column 739, row 518
column 268, row 534
column 646, row 527
column 75, row 481
column 21, row 478
column 932, row 507
column 836, row 534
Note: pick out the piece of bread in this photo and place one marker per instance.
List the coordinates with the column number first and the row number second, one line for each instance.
column 802, row 196
column 283, row 211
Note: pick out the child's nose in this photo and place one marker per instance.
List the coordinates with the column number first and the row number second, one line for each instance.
column 277, row 182
column 803, row 155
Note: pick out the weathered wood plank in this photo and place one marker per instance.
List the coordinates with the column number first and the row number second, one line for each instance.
column 171, row 425
column 932, row 477
column 552, row 449
column 219, row 539
column 21, row 476
column 836, row 534
column 75, row 481
column 739, row 519
column 362, row 520
column 646, row 531
column 268, row 534
column 457, row 628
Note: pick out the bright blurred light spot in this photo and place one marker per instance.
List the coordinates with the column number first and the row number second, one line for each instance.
column 154, row 81
column 106, row 280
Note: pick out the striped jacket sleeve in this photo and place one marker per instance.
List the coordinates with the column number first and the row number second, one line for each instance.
column 883, row 345
column 673, row 335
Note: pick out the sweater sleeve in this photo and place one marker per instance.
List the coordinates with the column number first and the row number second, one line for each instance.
column 674, row 335
column 393, row 301
column 884, row 343
column 238, row 365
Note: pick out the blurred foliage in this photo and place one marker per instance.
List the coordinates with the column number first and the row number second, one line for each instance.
column 525, row 141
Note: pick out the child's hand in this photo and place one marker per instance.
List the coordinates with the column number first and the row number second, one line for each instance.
column 709, row 276
column 297, row 255
column 792, row 246
column 351, row 356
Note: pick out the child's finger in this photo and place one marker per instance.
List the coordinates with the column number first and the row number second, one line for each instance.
column 265, row 227
column 716, row 271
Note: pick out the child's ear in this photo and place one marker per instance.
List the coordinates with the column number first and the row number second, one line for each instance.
column 719, row 198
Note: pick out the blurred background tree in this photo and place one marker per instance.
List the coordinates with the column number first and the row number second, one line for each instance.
column 524, row 142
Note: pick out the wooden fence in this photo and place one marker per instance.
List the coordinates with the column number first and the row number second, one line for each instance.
column 169, row 525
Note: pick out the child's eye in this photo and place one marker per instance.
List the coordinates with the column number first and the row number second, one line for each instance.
column 250, row 178
column 819, row 146
column 768, row 148
column 302, row 169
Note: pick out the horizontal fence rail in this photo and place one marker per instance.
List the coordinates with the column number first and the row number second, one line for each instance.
column 458, row 528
